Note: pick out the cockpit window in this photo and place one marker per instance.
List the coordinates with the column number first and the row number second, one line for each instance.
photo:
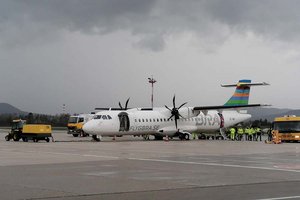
column 104, row 117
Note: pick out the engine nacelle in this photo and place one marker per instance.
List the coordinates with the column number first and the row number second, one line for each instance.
column 188, row 112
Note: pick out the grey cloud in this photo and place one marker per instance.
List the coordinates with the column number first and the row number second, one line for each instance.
column 154, row 43
column 151, row 21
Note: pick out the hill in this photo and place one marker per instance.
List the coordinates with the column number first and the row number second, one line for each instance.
column 6, row 108
column 270, row 113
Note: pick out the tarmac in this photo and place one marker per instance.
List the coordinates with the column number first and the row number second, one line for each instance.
column 131, row 168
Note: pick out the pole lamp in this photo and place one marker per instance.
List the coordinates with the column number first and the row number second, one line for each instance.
column 152, row 81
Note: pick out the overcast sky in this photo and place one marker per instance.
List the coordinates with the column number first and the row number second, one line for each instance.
column 88, row 54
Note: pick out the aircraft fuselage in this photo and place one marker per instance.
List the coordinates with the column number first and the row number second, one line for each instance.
column 157, row 122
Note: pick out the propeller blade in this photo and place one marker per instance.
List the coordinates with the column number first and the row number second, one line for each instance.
column 170, row 117
column 126, row 104
column 174, row 106
column 175, row 111
column 120, row 105
column 181, row 116
column 168, row 108
column 182, row 105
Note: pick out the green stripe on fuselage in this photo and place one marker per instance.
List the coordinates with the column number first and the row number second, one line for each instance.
column 236, row 102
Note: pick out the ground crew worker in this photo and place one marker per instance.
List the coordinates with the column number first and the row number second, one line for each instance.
column 269, row 135
column 258, row 133
column 246, row 132
column 240, row 132
column 251, row 132
column 232, row 133
column 254, row 134
column 194, row 136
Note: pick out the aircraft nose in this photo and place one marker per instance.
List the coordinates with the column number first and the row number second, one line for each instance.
column 89, row 127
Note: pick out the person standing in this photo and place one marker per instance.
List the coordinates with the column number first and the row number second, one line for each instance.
column 258, row 133
column 251, row 134
column 232, row 133
column 240, row 132
column 247, row 133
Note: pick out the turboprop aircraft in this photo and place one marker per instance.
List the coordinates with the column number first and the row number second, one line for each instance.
column 176, row 121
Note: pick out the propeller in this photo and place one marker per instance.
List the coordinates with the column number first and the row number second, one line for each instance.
column 126, row 104
column 175, row 111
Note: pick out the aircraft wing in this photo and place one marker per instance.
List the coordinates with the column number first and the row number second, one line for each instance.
column 228, row 107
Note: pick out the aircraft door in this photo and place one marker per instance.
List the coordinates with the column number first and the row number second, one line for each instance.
column 124, row 121
column 221, row 120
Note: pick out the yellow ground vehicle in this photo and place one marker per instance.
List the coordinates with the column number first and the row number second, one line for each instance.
column 288, row 128
column 76, row 123
column 35, row 132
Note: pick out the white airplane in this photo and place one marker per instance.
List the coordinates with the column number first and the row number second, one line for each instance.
column 171, row 122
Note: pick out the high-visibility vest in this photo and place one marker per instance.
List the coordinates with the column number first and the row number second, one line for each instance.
column 240, row 131
column 247, row 131
column 232, row 130
column 251, row 131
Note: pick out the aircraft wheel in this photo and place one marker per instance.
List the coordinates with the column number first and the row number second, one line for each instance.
column 180, row 136
column 7, row 138
column 158, row 137
column 96, row 138
column 25, row 139
column 75, row 135
column 201, row 137
column 83, row 134
column 16, row 137
column 47, row 139
column 186, row 136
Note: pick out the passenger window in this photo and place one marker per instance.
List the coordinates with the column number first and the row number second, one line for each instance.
column 135, row 120
column 164, row 119
column 97, row 116
column 139, row 120
column 150, row 120
column 143, row 120
column 146, row 120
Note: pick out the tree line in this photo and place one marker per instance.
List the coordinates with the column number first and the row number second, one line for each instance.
column 59, row 120
column 262, row 123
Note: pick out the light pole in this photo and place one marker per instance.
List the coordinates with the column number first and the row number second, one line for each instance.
column 152, row 81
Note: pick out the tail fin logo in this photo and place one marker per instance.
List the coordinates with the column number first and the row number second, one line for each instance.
column 241, row 94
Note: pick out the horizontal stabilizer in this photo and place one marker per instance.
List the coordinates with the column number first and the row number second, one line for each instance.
column 245, row 84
